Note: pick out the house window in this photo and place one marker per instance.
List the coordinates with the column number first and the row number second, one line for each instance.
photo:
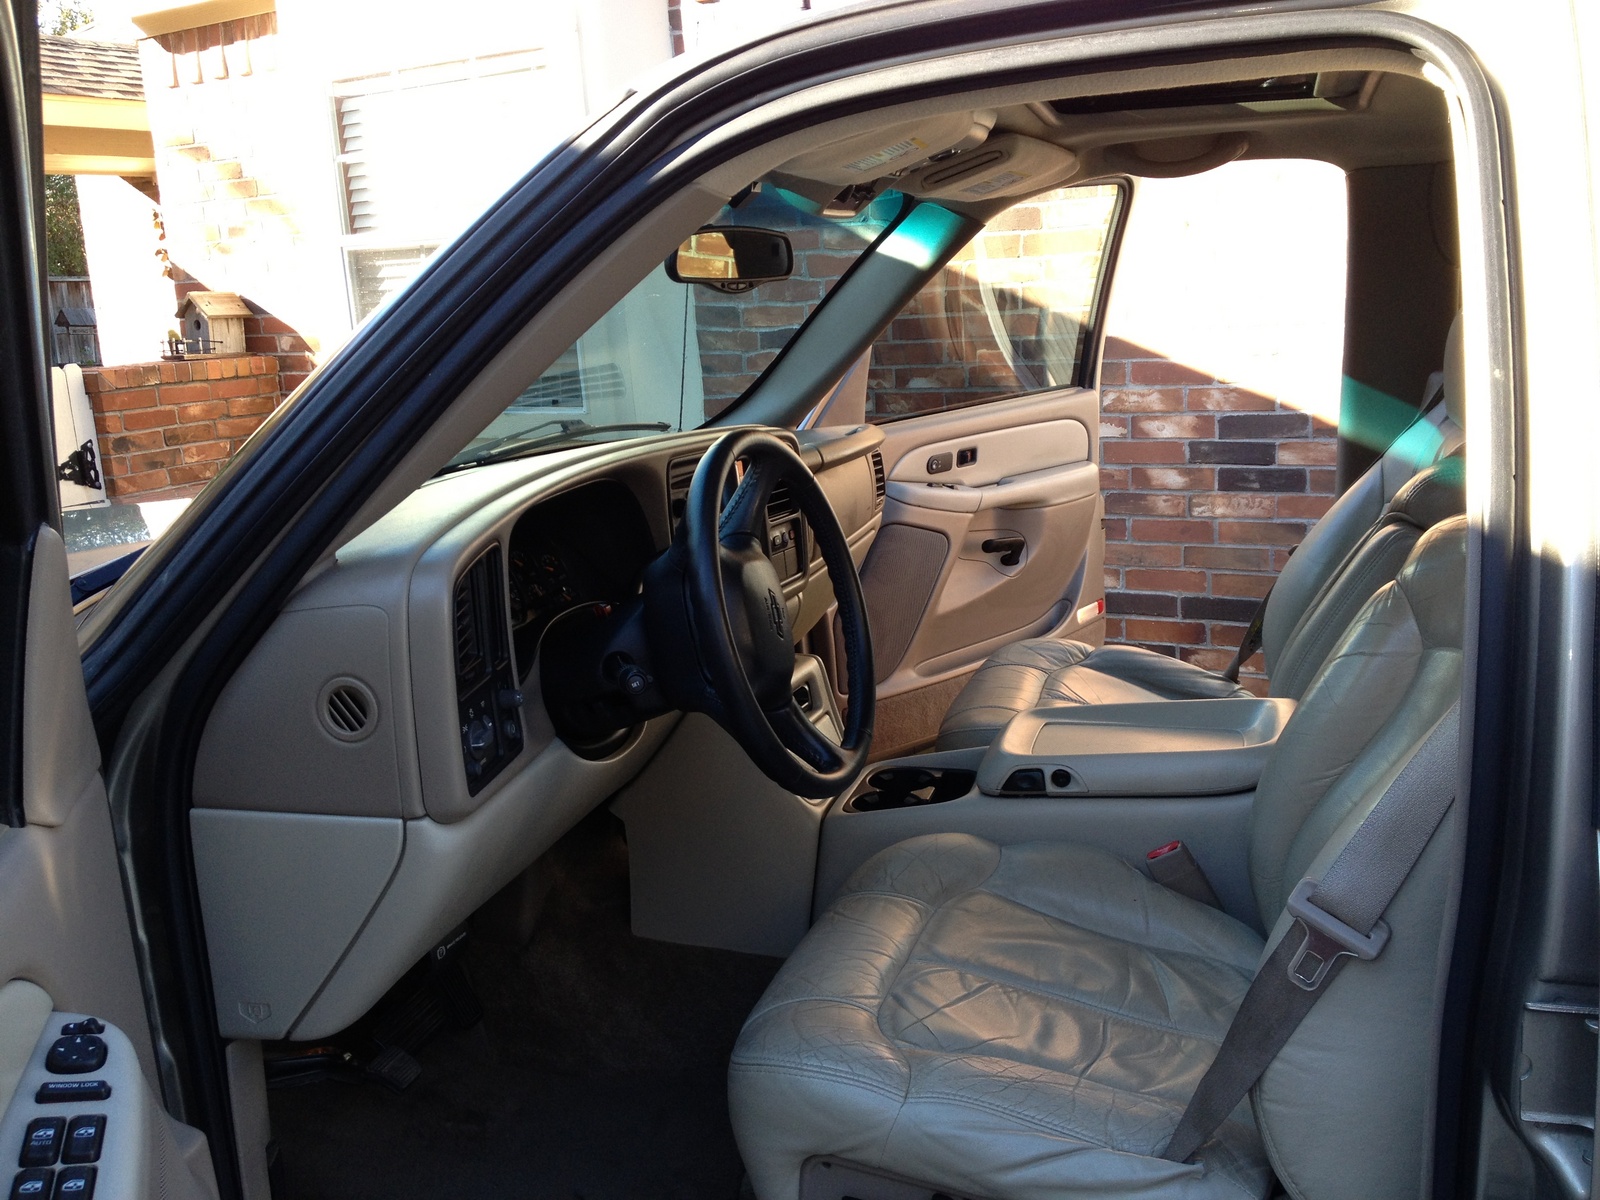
column 422, row 151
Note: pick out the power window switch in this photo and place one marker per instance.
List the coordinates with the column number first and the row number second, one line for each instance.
column 41, row 1145
column 32, row 1185
column 75, row 1183
column 84, row 1137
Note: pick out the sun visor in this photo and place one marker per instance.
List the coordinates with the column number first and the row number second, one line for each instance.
column 1010, row 165
column 869, row 156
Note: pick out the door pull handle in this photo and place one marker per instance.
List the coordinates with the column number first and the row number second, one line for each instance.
column 1008, row 548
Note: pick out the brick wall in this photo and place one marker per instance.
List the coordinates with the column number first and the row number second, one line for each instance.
column 1208, row 488
column 167, row 427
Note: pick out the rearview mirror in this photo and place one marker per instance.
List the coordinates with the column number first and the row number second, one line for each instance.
column 732, row 258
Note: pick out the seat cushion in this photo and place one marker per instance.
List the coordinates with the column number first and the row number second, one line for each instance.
column 1042, row 672
column 1018, row 1022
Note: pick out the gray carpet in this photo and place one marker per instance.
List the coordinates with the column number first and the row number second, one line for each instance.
column 599, row 1070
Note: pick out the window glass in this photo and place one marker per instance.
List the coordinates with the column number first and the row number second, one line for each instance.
column 1010, row 314
column 674, row 355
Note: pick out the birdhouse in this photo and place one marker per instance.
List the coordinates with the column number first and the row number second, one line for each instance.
column 213, row 323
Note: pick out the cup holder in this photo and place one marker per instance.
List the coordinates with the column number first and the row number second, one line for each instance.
column 906, row 787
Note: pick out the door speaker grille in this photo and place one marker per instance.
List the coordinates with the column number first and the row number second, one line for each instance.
column 348, row 709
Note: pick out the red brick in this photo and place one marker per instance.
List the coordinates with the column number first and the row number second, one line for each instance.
column 1142, row 451
column 1143, row 504
column 154, row 460
column 1205, row 658
column 238, row 427
column 1174, row 479
column 1232, row 504
column 1321, row 453
column 1304, row 508
column 126, row 398
column 1113, row 427
column 134, row 443
column 1113, row 373
column 149, row 418
column 169, row 372
column 1254, row 586
column 1114, row 479
column 1321, row 482
column 1178, row 425
column 244, row 406
column 1184, row 633
column 260, row 343
column 1110, row 579
column 1183, row 532
column 133, row 484
column 1161, row 371
column 1121, row 348
column 1115, row 528
column 194, row 472
column 213, row 368
column 107, row 423
column 202, row 451
column 1151, row 400
column 1227, row 558
column 200, row 431
column 1113, row 629
column 227, row 389
column 1226, row 399
column 1144, row 579
column 1133, row 554
column 185, row 393
column 206, row 410
column 1275, row 533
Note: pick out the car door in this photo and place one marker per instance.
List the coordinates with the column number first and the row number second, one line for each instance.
column 985, row 388
column 78, row 1068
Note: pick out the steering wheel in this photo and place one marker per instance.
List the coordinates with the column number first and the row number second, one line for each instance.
column 719, row 632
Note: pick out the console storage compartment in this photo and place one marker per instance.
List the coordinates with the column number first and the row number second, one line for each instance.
column 1165, row 748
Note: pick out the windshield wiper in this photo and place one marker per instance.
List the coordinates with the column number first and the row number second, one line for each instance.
column 526, row 441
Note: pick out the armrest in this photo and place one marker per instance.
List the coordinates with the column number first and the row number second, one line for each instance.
column 1163, row 748
column 1033, row 489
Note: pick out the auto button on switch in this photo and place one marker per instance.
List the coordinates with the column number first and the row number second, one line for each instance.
column 41, row 1145
column 75, row 1055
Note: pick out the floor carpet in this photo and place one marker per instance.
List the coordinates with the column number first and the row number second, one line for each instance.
column 599, row 1069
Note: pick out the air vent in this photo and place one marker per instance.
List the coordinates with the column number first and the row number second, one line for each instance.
column 487, row 699
column 469, row 648
column 680, row 473
column 348, row 709
column 879, row 483
column 781, row 503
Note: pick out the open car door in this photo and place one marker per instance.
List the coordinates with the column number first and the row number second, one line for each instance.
column 78, row 1070
column 986, row 390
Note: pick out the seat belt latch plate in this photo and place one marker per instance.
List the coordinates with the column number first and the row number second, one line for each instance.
column 1326, row 939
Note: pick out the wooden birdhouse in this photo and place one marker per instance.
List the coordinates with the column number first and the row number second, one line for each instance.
column 212, row 323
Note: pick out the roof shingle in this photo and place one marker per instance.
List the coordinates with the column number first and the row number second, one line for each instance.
column 79, row 67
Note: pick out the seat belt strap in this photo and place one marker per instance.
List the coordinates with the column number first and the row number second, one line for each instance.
column 1252, row 638
column 1336, row 918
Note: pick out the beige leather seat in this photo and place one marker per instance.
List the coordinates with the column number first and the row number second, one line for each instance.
column 1351, row 552
column 1029, row 1021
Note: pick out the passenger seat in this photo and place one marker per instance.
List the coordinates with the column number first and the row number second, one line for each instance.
column 1353, row 551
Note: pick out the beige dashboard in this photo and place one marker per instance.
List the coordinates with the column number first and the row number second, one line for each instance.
column 340, row 826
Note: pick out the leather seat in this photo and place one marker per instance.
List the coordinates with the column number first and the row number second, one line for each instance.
column 1029, row 1021
column 1356, row 547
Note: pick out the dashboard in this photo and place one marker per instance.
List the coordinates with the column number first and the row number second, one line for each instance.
column 383, row 762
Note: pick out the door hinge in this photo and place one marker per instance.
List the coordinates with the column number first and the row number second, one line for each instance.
column 81, row 467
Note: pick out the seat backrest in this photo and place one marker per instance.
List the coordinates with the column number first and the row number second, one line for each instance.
column 1436, row 433
column 1344, row 1108
column 1428, row 497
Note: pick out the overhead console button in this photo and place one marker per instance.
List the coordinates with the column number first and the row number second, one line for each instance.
column 75, row 1055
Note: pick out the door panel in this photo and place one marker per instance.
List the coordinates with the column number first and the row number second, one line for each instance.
column 972, row 556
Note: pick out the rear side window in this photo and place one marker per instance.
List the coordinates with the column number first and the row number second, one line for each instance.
column 1013, row 312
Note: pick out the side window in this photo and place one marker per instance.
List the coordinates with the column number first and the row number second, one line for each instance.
column 1012, row 313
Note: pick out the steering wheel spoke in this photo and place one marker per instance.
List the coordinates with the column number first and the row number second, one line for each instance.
column 803, row 739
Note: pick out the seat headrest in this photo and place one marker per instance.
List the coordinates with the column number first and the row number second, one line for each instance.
column 1433, row 581
column 1455, row 376
column 1433, row 494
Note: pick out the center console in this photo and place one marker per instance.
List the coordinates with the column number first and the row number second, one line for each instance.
column 1128, row 778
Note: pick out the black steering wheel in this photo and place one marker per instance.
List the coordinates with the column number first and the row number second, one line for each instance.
column 729, row 639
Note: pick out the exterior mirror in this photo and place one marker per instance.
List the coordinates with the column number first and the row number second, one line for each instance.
column 732, row 258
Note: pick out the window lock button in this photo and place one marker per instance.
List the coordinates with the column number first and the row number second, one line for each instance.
column 41, row 1145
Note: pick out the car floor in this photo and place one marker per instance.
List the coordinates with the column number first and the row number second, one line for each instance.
column 599, row 1069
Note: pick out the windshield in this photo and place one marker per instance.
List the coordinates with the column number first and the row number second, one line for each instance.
column 673, row 355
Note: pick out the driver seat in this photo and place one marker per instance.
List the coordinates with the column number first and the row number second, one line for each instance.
column 1030, row 1021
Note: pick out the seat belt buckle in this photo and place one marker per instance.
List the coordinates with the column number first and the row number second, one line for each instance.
column 1326, row 939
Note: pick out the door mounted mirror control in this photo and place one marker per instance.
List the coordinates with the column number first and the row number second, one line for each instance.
column 77, row 1054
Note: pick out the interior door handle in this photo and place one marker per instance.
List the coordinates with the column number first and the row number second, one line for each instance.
column 1008, row 548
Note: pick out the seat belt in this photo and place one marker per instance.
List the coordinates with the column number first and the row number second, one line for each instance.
column 1251, row 641
column 1336, row 917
